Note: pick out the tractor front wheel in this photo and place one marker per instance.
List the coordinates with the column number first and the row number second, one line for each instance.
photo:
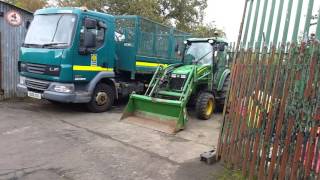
column 205, row 105
column 102, row 98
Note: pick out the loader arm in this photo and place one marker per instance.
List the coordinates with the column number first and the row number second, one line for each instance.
column 159, row 109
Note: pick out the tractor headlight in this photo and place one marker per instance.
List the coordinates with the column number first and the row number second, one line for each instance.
column 173, row 75
column 183, row 76
column 22, row 80
column 63, row 88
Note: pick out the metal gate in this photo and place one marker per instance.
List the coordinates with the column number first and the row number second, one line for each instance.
column 272, row 118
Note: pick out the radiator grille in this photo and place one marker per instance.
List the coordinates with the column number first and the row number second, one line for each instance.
column 37, row 85
column 36, row 68
column 177, row 83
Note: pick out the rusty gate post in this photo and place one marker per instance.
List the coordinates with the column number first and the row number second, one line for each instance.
column 1, row 90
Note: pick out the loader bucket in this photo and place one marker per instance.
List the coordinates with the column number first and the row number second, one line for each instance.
column 168, row 116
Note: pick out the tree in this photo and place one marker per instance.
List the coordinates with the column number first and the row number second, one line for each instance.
column 208, row 30
column 98, row 5
column 183, row 14
column 30, row 5
column 145, row 8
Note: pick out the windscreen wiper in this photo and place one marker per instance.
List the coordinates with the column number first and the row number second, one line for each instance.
column 53, row 44
column 31, row 45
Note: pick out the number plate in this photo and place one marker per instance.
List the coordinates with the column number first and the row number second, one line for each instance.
column 34, row 95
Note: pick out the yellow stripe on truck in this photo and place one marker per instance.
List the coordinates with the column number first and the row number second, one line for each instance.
column 91, row 68
column 148, row 64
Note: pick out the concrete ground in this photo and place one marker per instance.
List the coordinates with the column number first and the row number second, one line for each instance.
column 39, row 140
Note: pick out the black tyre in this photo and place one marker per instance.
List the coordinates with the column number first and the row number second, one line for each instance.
column 224, row 93
column 205, row 105
column 225, row 89
column 102, row 98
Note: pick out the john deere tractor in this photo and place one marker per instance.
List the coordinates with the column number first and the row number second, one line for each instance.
column 201, row 81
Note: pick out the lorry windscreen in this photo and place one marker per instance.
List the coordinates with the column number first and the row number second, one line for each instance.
column 200, row 53
column 53, row 30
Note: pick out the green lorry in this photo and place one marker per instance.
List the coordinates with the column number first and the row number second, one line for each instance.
column 73, row 55
column 201, row 81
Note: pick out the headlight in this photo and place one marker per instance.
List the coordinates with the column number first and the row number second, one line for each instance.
column 173, row 75
column 63, row 88
column 183, row 76
column 22, row 80
column 22, row 67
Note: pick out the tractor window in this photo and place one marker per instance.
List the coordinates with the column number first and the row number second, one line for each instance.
column 200, row 53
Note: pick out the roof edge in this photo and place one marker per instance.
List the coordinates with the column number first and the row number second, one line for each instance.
column 12, row 5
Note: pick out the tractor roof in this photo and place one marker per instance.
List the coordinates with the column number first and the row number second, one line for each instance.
column 216, row 39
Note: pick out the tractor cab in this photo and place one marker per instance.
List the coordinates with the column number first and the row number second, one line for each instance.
column 201, row 51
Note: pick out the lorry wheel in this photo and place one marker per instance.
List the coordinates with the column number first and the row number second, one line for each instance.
column 205, row 105
column 102, row 98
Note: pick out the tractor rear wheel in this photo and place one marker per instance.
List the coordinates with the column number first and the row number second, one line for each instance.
column 224, row 93
column 205, row 105
column 102, row 98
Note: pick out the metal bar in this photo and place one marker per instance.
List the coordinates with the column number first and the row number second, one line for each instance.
column 269, row 27
column 308, row 18
column 1, row 88
column 285, row 155
column 251, row 116
column 287, row 23
column 297, row 22
column 277, row 30
column 268, row 129
column 245, row 37
column 262, row 23
column 318, row 26
column 255, row 21
column 241, row 29
column 308, row 94
column 262, row 111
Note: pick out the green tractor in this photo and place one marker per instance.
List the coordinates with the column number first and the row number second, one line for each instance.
column 200, row 81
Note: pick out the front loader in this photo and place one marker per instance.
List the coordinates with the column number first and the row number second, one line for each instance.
column 200, row 80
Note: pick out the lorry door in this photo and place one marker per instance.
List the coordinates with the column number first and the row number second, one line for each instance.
column 92, row 56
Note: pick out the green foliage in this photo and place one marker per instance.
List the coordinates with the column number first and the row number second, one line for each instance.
column 185, row 15
column 208, row 30
column 228, row 174
column 30, row 5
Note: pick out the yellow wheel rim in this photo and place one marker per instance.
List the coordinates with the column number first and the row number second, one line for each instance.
column 210, row 107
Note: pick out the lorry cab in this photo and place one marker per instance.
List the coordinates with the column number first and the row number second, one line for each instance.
column 73, row 55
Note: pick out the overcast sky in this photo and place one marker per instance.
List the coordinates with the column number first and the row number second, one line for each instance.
column 228, row 13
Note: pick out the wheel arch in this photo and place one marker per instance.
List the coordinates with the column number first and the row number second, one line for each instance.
column 104, row 77
column 223, row 78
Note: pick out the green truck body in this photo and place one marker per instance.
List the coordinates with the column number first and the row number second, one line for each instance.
column 68, row 52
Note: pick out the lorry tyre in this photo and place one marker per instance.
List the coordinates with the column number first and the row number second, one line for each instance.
column 102, row 98
column 205, row 105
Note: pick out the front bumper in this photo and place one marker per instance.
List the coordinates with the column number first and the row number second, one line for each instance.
column 77, row 96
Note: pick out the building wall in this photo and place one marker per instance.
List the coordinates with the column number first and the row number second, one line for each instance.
column 12, row 38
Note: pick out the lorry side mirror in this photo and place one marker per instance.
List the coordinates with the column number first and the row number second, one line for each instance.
column 89, row 39
column 222, row 47
column 89, row 43
column 102, row 25
column 90, row 23
column 28, row 24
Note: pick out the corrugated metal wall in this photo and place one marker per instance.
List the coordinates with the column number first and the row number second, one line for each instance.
column 11, row 39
